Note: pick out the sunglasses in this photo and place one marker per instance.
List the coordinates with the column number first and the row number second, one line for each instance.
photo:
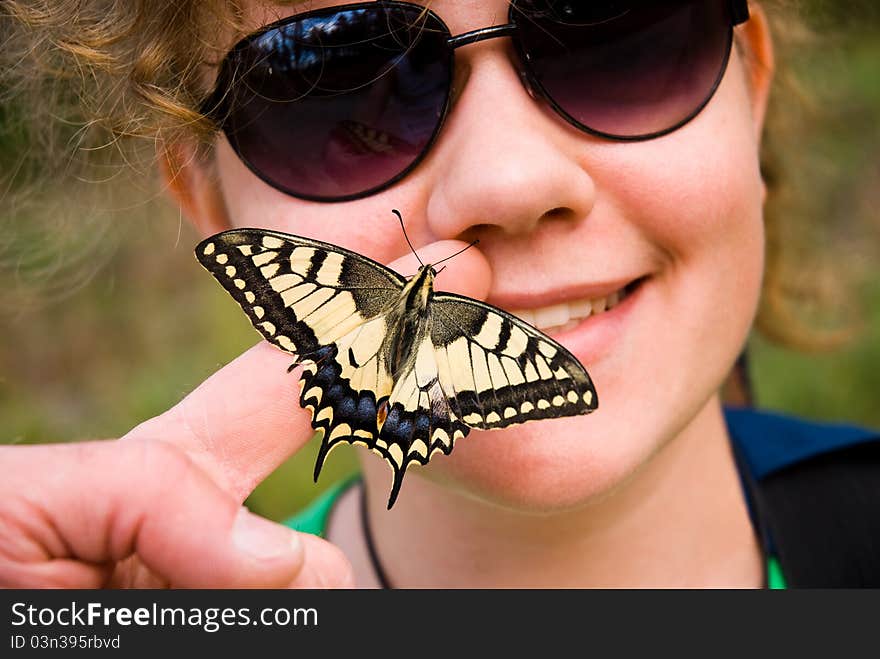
column 339, row 103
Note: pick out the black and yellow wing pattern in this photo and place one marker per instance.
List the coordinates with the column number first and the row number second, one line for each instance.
column 387, row 362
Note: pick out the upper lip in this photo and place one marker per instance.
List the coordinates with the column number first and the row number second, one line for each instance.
column 557, row 295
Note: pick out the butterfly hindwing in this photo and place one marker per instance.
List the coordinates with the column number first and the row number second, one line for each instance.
column 345, row 387
column 353, row 399
column 418, row 419
column 498, row 370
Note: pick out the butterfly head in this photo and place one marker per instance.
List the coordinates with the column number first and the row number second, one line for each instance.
column 421, row 286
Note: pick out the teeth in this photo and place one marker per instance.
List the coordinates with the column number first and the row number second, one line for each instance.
column 553, row 316
column 581, row 309
column 565, row 316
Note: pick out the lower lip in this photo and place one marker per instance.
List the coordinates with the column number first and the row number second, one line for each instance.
column 595, row 336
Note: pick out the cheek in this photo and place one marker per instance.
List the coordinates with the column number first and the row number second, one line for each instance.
column 699, row 199
column 358, row 225
column 700, row 190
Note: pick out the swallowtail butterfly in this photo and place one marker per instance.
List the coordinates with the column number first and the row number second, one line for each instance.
column 388, row 362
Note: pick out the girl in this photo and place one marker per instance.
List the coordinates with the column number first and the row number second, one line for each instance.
column 606, row 156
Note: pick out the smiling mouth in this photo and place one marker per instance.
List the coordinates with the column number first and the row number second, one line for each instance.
column 568, row 315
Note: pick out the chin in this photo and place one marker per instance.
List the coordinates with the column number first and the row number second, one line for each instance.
column 551, row 466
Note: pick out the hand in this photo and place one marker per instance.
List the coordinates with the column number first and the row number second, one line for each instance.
column 162, row 506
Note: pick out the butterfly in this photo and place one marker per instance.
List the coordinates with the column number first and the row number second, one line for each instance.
column 388, row 362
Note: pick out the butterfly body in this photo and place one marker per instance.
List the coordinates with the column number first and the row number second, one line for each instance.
column 409, row 320
column 389, row 363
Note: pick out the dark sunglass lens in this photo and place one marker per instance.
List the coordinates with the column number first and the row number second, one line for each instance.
column 338, row 103
column 625, row 69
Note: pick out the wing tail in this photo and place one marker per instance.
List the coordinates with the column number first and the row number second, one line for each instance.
column 323, row 452
column 397, row 481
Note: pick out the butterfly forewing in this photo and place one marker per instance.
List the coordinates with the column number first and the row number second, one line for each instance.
column 300, row 294
column 498, row 370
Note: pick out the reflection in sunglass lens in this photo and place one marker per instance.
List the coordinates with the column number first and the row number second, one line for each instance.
column 625, row 69
column 339, row 103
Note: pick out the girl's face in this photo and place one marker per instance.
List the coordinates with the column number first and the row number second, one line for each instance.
column 564, row 217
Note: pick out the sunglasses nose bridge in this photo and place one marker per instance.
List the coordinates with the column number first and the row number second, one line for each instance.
column 494, row 32
column 482, row 34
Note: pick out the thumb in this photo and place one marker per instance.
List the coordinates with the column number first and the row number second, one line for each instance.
column 70, row 511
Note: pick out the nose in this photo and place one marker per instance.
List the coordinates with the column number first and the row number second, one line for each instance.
column 503, row 159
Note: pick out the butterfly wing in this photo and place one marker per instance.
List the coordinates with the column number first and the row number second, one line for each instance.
column 300, row 294
column 345, row 387
column 497, row 370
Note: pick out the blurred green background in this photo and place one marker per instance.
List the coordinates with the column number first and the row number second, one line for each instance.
column 108, row 320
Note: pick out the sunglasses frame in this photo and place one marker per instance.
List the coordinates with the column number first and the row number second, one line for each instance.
column 215, row 106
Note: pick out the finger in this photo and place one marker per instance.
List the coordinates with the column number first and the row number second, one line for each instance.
column 467, row 273
column 100, row 502
column 239, row 424
column 245, row 420
column 63, row 573
column 325, row 566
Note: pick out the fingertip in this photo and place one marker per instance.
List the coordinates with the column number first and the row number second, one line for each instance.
column 467, row 273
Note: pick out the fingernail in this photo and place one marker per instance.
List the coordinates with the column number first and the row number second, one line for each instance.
column 261, row 538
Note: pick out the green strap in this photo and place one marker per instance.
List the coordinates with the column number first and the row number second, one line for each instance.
column 775, row 578
column 313, row 518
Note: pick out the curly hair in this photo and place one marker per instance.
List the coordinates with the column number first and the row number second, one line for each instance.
column 88, row 84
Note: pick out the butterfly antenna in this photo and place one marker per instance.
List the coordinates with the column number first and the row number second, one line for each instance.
column 463, row 249
column 400, row 217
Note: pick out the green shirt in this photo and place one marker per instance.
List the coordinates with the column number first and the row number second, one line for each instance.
column 313, row 519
